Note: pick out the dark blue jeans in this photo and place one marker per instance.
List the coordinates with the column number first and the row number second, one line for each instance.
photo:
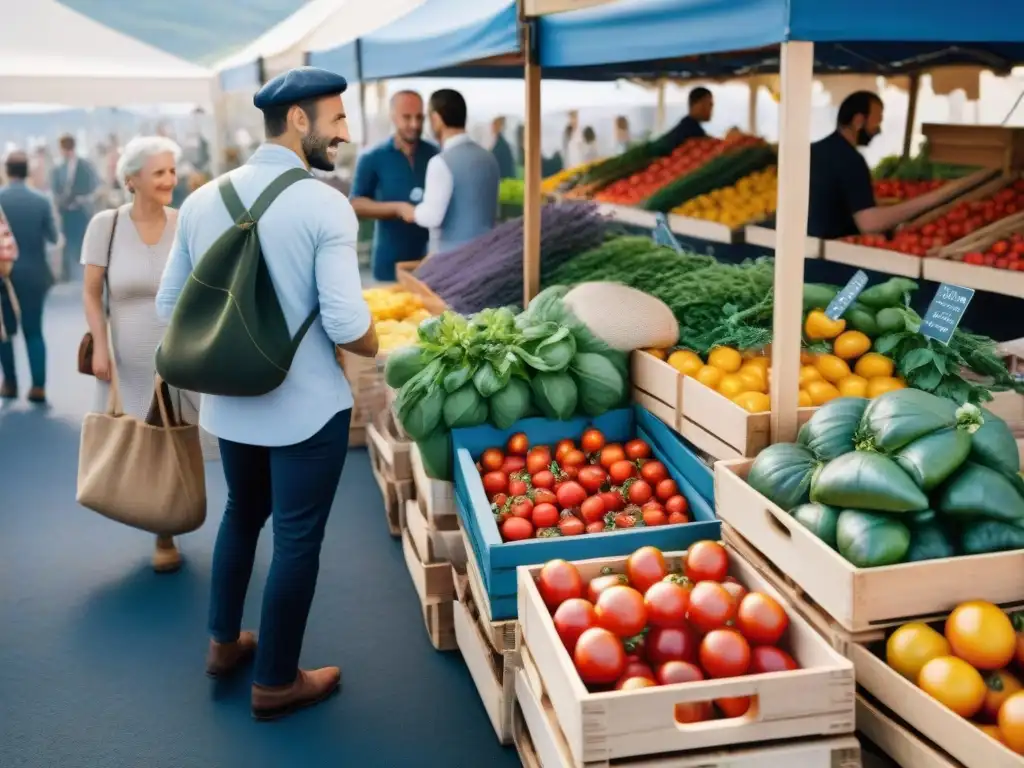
column 31, row 298
column 295, row 486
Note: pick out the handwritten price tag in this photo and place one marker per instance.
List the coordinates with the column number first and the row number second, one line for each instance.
column 847, row 296
column 945, row 312
column 663, row 234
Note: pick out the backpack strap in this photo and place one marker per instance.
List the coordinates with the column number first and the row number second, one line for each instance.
column 231, row 199
column 275, row 188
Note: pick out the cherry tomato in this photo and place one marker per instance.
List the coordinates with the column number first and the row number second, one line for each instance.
column 654, row 517
column 596, row 527
column 571, row 526
column 671, row 644
column 621, row 610
column 768, row 658
column 544, row 515
column 634, row 683
column 613, row 501
column 622, row 520
column 516, row 529
column 676, row 504
column 635, row 668
column 563, row 447
column 592, row 441
column 492, row 460
column 1011, row 722
column 572, row 618
column 495, row 483
column 593, row 510
column 544, row 496
column 599, row 657
column 543, row 479
column 518, row 445
column 574, row 458
column 570, row 472
column 499, row 499
column 592, row 478
column 610, row 454
column 570, row 495
column 653, row 472
column 694, row 712
column 538, row 459
column 724, row 653
column 678, row 672
column 639, row 492
column 667, row 604
column 559, row 581
column 621, row 471
column 736, row 706
column 677, row 518
column 761, row 619
column 517, row 487
column 599, row 584
column 522, row 507
column 513, row 464
column 706, row 561
column 646, row 566
column 734, row 588
column 711, row 606
column 637, row 449
column 666, row 489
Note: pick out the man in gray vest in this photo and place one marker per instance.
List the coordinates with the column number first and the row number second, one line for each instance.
column 460, row 198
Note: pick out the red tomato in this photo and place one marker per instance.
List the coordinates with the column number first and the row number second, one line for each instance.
column 667, row 604
column 613, row 501
column 653, row 472
column 654, row 517
column 574, row 458
column 543, row 479
column 671, row 644
column 637, row 449
column 499, row 499
column 634, row 668
column 544, row 496
column 544, row 515
column 678, row 672
column 570, row 495
column 538, row 459
column 768, row 658
column 724, row 653
column 645, row 567
column 592, row 478
column 492, row 460
column 711, row 606
column 570, row 472
column 559, row 581
column 695, row 712
column 563, row 447
column 639, row 492
column 599, row 584
column 622, row 520
column 571, row 526
column 734, row 588
column 677, row 518
column 736, row 706
column 621, row 610
column 621, row 471
column 706, row 561
column 513, row 464
column 597, row 526
column 599, row 657
column 761, row 619
column 634, row 683
column 495, row 483
column 675, row 504
column 522, row 507
column 666, row 489
column 592, row 441
column 572, row 618
column 517, row 487
column 518, row 445
column 610, row 454
column 516, row 529
column 593, row 510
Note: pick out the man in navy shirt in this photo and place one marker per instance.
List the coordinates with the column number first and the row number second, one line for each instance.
column 842, row 195
column 389, row 181
column 702, row 105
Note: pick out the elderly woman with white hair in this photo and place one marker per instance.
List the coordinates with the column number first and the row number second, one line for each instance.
column 124, row 254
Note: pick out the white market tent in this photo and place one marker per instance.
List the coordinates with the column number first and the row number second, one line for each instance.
column 52, row 54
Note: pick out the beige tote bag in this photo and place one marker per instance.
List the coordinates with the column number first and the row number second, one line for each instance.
column 143, row 475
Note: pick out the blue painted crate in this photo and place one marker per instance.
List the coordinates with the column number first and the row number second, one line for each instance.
column 498, row 560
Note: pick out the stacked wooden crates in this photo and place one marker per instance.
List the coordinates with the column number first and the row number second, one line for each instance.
column 369, row 392
column 390, row 451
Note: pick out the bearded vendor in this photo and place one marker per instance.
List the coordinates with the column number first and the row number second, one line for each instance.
column 842, row 194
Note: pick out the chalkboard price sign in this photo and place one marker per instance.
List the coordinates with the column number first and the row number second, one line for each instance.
column 847, row 296
column 945, row 312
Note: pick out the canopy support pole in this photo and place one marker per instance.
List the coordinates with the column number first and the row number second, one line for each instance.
column 660, row 110
column 797, row 76
column 913, row 91
column 753, row 90
column 531, row 170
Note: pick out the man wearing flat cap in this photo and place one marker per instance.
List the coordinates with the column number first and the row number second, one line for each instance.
column 283, row 452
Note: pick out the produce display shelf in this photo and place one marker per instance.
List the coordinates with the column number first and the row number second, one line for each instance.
column 702, row 229
column 431, row 301
column 498, row 560
column 626, row 214
column 816, row 700
column 899, row 742
column 764, row 237
column 875, row 259
column 980, row 278
column 860, row 600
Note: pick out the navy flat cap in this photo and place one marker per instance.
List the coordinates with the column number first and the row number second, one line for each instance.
column 297, row 85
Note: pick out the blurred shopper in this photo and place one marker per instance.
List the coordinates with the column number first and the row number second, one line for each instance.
column 460, row 201
column 29, row 215
column 622, row 137
column 74, row 184
column 701, row 107
column 590, row 150
column 502, row 150
column 282, row 452
column 40, row 169
column 389, row 178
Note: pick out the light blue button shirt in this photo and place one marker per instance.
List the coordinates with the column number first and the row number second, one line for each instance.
column 308, row 236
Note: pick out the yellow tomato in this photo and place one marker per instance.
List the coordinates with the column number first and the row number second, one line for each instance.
column 912, row 646
column 753, row 402
column 832, row 368
column 709, row 376
column 685, row 361
column 955, row 683
column 732, row 384
column 821, row 392
column 992, row 731
column 809, row 373
column 658, row 353
column 981, row 634
column 853, row 386
column 806, row 358
column 872, row 365
column 999, row 686
column 725, row 359
column 757, row 361
column 879, row 385
column 1011, row 722
column 850, row 345
column 804, row 399
column 819, row 326
column 754, row 379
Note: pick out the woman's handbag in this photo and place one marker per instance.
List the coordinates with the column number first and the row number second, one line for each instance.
column 88, row 344
column 148, row 476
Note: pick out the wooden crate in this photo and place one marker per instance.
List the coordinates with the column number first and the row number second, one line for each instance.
column 433, row 303
column 757, row 234
column 860, row 599
column 503, row 636
column 366, row 378
column 395, row 493
column 817, row 700
column 438, row 496
column 356, row 437
column 493, row 673
column 657, row 386
column 433, row 581
column 438, row 540
column 902, row 745
column 701, row 229
column 391, row 445
column 984, row 146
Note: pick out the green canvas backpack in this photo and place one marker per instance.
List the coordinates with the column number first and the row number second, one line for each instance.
column 228, row 334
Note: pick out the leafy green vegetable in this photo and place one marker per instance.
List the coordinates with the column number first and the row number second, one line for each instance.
column 436, row 452
column 931, row 459
column 982, row 536
column 404, row 363
column 465, row 408
column 897, row 418
column 870, row 540
column 782, row 473
column 820, row 519
column 830, row 431
column 929, row 541
column 420, row 402
column 552, row 353
column 555, row 394
column 978, row 491
column 599, row 383
column 994, row 445
column 510, row 404
column 867, row 481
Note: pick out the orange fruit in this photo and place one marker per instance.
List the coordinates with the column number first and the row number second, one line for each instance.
column 832, row 368
column 685, row 361
column 821, row 392
column 658, row 353
column 879, row 385
column 732, row 384
column 753, row 402
column 726, row 359
column 754, row 379
column 805, row 399
column 850, row 345
column 809, row 373
column 709, row 376
column 853, row 386
column 873, row 364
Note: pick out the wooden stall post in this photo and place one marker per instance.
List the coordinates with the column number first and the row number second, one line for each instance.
column 913, row 92
column 797, row 75
column 531, row 171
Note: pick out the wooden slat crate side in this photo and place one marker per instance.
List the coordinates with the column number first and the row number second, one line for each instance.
column 440, row 623
column 393, row 450
column 503, row 636
column 436, row 541
column 438, row 496
column 431, row 301
column 657, row 378
column 433, row 582
column 904, row 746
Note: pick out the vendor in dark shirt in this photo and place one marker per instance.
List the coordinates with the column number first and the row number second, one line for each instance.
column 842, row 195
column 702, row 104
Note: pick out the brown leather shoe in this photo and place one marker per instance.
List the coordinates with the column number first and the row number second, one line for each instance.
column 309, row 688
column 8, row 391
column 166, row 557
column 224, row 658
column 37, row 395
